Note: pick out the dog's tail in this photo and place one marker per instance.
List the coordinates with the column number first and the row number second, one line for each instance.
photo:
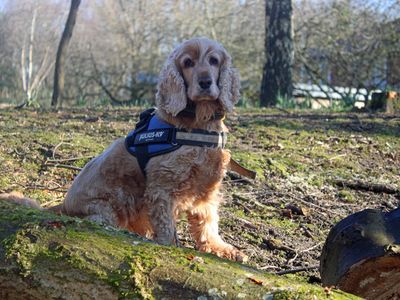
column 19, row 198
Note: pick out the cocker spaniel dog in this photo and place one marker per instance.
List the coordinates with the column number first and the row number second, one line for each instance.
column 197, row 87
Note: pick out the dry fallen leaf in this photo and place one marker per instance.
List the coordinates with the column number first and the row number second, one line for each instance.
column 328, row 290
column 190, row 257
column 256, row 281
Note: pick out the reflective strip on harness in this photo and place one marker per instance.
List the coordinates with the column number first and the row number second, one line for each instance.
column 217, row 140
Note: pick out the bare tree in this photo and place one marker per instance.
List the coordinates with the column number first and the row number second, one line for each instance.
column 31, row 81
column 29, row 33
column 277, row 74
column 62, row 52
column 119, row 46
column 346, row 43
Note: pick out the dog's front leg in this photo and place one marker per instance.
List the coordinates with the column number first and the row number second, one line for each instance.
column 203, row 220
column 161, row 217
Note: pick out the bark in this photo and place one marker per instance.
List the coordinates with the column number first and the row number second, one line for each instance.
column 362, row 255
column 366, row 186
column 277, row 73
column 45, row 256
column 30, row 66
column 62, row 52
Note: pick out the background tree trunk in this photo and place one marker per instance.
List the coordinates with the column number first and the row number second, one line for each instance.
column 62, row 51
column 45, row 256
column 277, row 72
column 362, row 255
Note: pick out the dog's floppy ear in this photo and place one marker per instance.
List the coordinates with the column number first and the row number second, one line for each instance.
column 171, row 91
column 228, row 83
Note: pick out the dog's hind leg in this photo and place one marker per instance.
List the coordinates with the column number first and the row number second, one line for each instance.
column 100, row 212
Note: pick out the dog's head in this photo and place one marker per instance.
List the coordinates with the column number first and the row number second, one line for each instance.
column 200, row 70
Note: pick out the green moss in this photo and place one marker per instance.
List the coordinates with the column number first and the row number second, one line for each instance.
column 316, row 181
column 282, row 223
column 4, row 182
column 346, row 195
column 41, row 196
column 277, row 167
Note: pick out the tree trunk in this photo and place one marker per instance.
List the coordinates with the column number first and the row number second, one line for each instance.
column 362, row 255
column 46, row 256
column 277, row 73
column 62, row 52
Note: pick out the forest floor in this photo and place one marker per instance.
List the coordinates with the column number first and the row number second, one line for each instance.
column 313, row 170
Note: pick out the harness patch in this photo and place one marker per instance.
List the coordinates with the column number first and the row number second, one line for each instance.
column 156, row 136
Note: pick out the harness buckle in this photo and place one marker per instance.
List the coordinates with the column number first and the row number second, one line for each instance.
column 172, row 137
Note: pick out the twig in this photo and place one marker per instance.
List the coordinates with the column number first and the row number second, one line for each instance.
column 268, row 267
column 187, row 280
column 317, row 206
column 56, row 147
column 56, row 189
column 311, row 248
column 292, row 271
column 46, row 204
column 247, row 223
column 62, row 166
column 68, row 159
column 296, row 254
column 337, row 156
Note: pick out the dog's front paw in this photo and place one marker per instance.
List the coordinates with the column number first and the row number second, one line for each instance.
column 225, row 251
column 235, row 254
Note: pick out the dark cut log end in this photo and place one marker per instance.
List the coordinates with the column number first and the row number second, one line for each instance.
column 375, row 278
column 362, row 255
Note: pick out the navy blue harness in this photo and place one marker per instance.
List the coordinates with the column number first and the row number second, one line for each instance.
column 153, row 137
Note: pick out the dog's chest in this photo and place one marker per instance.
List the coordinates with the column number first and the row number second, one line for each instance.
column 208, row 165
column 190, row 171
column 204, row 171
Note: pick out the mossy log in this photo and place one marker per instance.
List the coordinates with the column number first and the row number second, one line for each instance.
column 362, row 255
column 45, row 256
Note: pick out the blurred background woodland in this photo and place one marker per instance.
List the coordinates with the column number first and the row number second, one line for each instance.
column 118, row 47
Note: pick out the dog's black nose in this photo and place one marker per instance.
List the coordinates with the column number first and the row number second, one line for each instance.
column 205, row 82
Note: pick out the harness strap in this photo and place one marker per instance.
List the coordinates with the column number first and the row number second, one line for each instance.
column 145, row 143
column 142, row 154
column 180, row 136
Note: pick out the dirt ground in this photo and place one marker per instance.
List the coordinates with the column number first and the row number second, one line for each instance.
column 313, row 169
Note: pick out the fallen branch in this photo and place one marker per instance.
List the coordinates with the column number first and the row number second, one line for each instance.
column 292, row 271
column 366, row 186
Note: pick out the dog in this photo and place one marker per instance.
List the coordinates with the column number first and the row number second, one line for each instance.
column 197, row 87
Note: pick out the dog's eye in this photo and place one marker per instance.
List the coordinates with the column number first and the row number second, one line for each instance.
column 188, row 63
column 213, row 61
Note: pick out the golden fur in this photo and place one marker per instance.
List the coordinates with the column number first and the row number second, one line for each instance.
column 112, row 189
